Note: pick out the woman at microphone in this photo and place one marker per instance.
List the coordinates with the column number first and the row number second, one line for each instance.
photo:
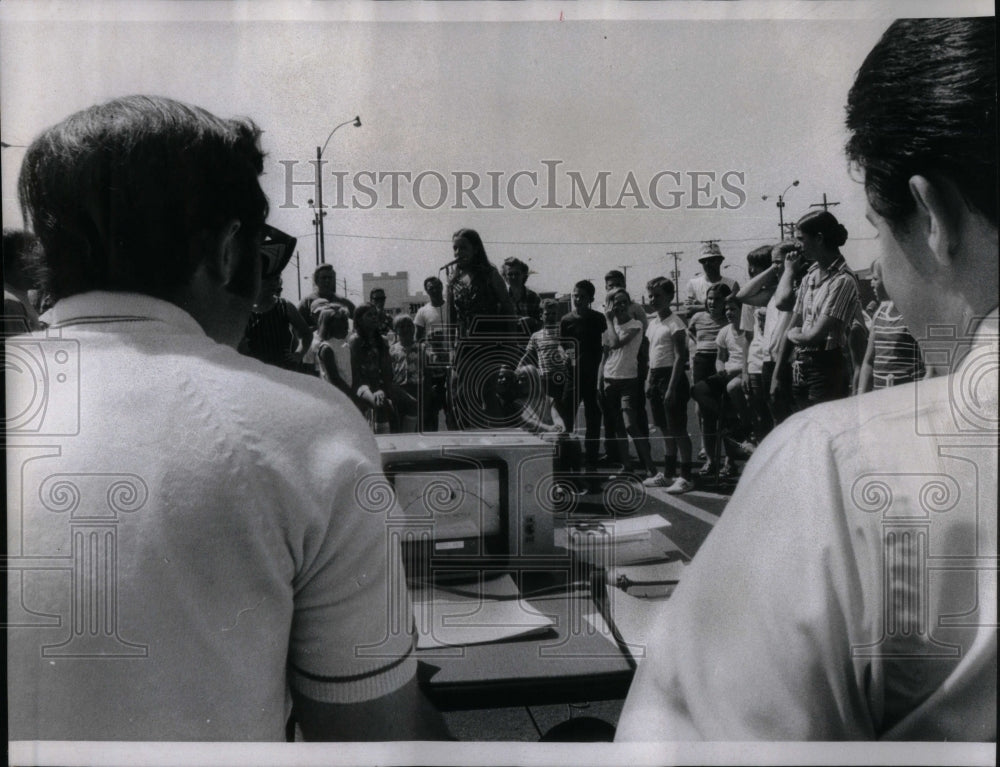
column 481, row 309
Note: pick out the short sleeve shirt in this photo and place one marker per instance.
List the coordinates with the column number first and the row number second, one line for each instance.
column 831, row 292
column 623, row 362
column 660, row 333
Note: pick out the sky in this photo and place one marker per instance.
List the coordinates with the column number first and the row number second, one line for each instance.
column 690, row 112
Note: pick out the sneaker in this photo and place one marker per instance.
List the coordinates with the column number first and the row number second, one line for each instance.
column 728, row 469
column 658, row 480
column 708, row 468
column 702, row 455
column 680, row 485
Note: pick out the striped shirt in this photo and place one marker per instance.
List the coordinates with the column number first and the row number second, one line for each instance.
column 897, row 357
column 546, row 346
column 831, row 292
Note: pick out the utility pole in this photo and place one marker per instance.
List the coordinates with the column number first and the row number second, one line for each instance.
column 298, row 274
column 825, row 205
column 676, row 274
column 624, row 268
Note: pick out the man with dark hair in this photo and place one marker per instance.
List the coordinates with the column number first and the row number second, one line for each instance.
column 581, row 330
column 220, row 553
column 615, row 280
column 325, row 282
column 432, row 314
column 850, row 589
column 19, row 315
column 526, row 302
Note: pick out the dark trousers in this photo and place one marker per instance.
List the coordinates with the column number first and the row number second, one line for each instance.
column 819, row 376
column 584, row 387
column 780, row 405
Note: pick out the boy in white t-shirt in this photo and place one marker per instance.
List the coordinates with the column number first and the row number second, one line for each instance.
column 727, row 382
column 667, row 387
column 622, row 392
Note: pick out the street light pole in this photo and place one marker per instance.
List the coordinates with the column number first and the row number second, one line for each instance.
column 781, row 208
column 356, row 122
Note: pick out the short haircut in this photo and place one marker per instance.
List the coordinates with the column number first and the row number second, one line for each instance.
column 661, row 283
column 432, row 281
column 587, row 287
column 132, row 195
column 373, row 291
column 925, row 102
column 515, row 264
column 614, row 274
column 759, row 259
column 324, row 268
column 402, row 319
column 548, row 303
column 824, row 224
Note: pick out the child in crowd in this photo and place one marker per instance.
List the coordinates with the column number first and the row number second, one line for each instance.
column 724, row 385
column 332, row 355
column 668, row 390
column 405, row 356
column 622, row 387
column 703, row 330
column 752, row 324
column 892, row 357
column 545, row 350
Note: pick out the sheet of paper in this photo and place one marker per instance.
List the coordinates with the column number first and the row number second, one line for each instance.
column 476, row 613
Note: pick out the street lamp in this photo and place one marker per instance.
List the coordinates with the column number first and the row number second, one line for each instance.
column 781, row 208
column 356, row 122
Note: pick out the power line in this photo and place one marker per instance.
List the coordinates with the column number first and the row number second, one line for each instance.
column 760, row 238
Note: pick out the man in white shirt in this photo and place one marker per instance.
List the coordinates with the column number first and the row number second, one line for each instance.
column 849, row 590
column 430, row 315
column 711, row 259
column 192, row 548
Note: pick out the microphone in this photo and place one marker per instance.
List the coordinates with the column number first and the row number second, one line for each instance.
column 449, row 264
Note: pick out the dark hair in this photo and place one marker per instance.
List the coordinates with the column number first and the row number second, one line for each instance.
column 720, row 289
column 824, row 224
column 613, row 293
column 515, row 263
column 133, row 195
column 20, row 253
column 759, row 259
column 662, row 283
column 359, row 315
column 401, row 319
column 433, row 279
column 547, row 303
column 924, row 102
column 614, row 274
column 479, row 258
column 376, row 289
column 324, row 268
column 587, row 287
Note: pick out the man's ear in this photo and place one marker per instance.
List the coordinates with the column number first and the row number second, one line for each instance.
column 937, row 222
column 226, row 253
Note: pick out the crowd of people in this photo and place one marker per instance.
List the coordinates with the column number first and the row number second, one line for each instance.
column 227, row 570
column 749, row 356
